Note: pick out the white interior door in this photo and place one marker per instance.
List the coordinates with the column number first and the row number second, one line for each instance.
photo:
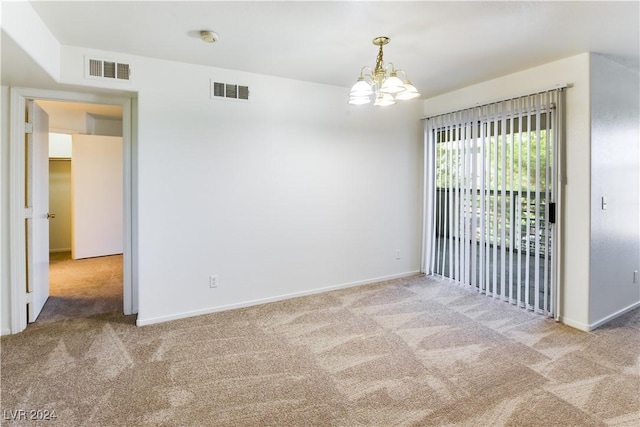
column 37, row 159
column 97, row 196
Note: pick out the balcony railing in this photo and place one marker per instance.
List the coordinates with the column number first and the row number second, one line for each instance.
column 505, row 238
column 530, row 226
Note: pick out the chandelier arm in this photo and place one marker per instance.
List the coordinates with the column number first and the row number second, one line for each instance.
column 366, row 68
column 403, row 72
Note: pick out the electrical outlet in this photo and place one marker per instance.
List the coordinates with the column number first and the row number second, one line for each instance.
column 398, row 254
column 213, row 281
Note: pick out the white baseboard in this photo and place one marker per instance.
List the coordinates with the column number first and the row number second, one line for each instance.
column 613, row 316
column 590, row 327
column 160, row 319
column 578, row 325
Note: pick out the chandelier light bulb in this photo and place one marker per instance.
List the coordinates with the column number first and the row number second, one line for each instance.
column 361, row 88
column 392, row 84
column 384, row 100
column 410, row 92
column 359, row 100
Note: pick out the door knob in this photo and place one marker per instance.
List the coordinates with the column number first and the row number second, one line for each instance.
column 50, row 215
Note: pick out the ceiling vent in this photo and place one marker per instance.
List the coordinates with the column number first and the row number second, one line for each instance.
column 229, row 91
column 106, row 69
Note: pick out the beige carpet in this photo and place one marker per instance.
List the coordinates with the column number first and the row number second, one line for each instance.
column 415, row 351
column 83, row 287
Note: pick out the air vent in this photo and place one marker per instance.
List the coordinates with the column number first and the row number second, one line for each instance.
column 124, row 71
column 243, row 92
column 229, row 91
column 95, row 68
column 218, row 89
column 107, row 69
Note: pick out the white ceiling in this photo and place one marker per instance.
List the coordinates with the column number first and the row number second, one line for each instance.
column 441, row 45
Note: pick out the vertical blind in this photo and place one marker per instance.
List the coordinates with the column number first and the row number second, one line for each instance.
column 491, row 198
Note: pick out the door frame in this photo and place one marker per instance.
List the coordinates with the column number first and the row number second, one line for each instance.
column 17, row 211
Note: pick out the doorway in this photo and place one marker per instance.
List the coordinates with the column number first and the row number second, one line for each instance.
column 19, row 208
column 83, row 287
column 86, row 210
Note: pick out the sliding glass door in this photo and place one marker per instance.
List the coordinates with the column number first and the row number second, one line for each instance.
column 490, row 196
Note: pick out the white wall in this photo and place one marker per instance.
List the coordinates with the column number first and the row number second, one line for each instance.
column 615, row 166
column 275, row 197
column 97, row 196
column 65, row 120
column 576, row 202
column 72, row 121
column 290, row 193
column 97, row 125
column 21, row 22
column 59, row 145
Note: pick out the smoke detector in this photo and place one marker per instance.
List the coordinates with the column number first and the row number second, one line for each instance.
column 208, row 36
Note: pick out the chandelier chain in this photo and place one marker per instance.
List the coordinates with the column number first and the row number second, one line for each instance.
column 379, row 61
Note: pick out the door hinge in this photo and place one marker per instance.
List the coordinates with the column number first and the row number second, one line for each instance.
column 28, row 128
column 29, row 297
column 28, row 213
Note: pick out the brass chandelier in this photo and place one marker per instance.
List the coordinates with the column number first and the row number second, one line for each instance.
column 382, row 83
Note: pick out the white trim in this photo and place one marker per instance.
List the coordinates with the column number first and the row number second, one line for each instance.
column 160, row 319
column 425, row 230
column 613, row 316
column 128, row 165
column 131, row 194
column 588, row 328
column 5, row 331
column 558, row 230
column 16, row 202
column 17, row 236
column 574, row 324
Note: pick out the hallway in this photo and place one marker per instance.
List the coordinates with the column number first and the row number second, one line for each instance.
column 83, row 287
